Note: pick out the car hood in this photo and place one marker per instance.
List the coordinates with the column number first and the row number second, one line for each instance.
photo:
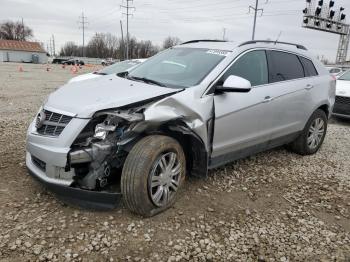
column 84, row 98
column 343, row 88
column 84, row 77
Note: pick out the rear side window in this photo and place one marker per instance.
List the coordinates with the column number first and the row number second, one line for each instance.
column 309, row 67
column 251, row 66
column 284, row 66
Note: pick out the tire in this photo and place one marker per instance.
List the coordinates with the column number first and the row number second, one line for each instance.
column 301, row 145
column 147, row 165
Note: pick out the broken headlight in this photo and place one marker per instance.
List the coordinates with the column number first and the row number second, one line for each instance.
column 102, row 130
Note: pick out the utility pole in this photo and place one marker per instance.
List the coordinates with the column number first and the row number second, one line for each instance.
column 83, row 23
column 256, row 10
column 127, row 8
column 22, row 30
column 121, row 30
column 53, row 45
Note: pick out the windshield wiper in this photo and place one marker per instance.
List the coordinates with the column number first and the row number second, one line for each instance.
column 146, row 80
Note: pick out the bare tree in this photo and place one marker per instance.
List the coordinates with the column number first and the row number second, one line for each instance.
column 103, row 45
column 171, row 41
column 10, row 30
column 70, row 49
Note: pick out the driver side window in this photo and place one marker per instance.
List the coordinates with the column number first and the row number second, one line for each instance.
column 251, row 66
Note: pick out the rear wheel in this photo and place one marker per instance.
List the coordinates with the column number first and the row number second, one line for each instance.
column 153, row 173
column 311, row 138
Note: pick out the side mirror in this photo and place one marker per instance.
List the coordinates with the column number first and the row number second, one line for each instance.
column 235, row 84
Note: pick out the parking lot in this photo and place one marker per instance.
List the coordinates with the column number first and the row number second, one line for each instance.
column 275, row 206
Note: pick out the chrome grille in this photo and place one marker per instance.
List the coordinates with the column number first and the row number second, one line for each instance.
column 342, row 105
column 342, row 100
column 54, row 123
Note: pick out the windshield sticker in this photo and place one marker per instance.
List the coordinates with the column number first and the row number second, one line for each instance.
column 218, row 52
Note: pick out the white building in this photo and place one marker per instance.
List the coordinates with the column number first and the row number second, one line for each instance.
column 22, row 51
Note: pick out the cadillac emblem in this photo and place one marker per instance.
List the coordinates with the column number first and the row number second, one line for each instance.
column 40, row 119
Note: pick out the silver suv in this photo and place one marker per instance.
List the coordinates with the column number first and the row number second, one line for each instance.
column 190, row 108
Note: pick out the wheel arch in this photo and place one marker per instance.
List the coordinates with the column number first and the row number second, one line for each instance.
column 193, row 146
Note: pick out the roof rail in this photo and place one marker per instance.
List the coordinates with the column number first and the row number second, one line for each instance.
column 202, row 40
column 272, row 42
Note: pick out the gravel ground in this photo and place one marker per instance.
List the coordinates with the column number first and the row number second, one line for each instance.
column 275, row 206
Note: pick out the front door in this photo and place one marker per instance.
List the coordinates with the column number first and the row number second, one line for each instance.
column 242, row 120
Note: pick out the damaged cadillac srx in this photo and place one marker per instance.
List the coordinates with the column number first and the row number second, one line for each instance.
column 136, row 135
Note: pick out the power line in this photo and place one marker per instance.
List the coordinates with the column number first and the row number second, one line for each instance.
column 83, row 23
column 127, row 13
column 256, row 10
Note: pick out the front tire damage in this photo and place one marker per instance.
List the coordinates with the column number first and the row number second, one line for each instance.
column 139, row 194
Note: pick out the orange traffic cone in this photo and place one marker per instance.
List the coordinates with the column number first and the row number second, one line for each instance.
column 74, row 69
column 20, row 69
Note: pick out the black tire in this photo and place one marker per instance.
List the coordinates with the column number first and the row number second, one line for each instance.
column 137, row 171
column 300, row 144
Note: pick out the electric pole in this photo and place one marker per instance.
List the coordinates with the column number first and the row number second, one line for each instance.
column 127, row 8
column 121, row 30
column 53, row 45
column 22, row 30
column 83, row 23
column 256, row 10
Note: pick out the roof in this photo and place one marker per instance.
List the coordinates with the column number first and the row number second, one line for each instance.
column 231, row 46
column 21, row 46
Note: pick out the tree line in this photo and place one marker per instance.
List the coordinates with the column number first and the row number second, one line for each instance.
column 101, row 45
column 106, row 45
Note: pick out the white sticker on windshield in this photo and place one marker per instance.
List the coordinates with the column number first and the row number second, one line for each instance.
column 218, row 52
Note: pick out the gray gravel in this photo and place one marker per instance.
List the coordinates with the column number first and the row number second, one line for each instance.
column 275, row 206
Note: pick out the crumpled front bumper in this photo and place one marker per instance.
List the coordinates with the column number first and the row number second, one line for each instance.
column 82, row 198
column 52, row 153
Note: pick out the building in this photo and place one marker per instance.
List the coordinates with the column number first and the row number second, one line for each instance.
column 22, row 51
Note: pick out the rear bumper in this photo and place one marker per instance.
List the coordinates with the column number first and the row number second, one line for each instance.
column 79, row 197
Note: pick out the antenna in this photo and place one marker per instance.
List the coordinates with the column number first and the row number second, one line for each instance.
column 278, row 37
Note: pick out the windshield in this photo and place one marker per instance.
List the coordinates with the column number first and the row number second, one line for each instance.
column 334, row 70
column 345, row 76
column 179, row 67
column 119, row 67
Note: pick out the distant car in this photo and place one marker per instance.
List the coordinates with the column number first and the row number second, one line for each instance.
column 342, row 99
column 334, row 71
column 58, row 60
column 107, row 62
column 112, row 69
column 73, row 62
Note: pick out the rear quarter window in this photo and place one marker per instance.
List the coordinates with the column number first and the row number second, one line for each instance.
column 309, row 67
column 284, row 66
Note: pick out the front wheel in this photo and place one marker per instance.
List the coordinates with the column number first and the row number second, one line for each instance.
column 311, row 138
column 153, row 173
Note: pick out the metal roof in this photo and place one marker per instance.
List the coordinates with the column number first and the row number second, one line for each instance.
column 231, row 46
column 21, row 46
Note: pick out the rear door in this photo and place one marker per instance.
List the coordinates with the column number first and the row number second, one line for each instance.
column 290, row 99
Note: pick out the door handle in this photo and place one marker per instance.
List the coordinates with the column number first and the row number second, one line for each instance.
column 309, row 87
column 267, row 99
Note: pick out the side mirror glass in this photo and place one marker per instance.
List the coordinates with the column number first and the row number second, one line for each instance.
column 235, row 84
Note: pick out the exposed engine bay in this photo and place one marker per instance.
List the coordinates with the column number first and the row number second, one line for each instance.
column 98, row 151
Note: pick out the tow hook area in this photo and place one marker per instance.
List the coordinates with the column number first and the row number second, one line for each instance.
column 93, row 165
